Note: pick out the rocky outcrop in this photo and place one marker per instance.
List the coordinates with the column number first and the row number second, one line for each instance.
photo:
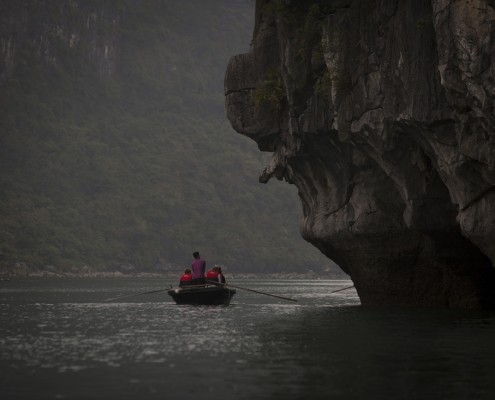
column 57, row 33
column 382, row 114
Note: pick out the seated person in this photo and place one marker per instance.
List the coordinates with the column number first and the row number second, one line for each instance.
column 215, row 275
column 186, row 279
column 221, row 277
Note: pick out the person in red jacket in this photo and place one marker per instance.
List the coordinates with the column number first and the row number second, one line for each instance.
column 212, row 275
column 186, row 279
column 215, row 275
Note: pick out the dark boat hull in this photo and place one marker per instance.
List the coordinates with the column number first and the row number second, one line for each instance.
column 208, row 295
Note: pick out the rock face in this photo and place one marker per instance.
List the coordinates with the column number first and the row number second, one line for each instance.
column 381, row 112
column 53, row 32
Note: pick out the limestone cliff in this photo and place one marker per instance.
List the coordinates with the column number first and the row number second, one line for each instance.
column 381, row 112
column 57, row 33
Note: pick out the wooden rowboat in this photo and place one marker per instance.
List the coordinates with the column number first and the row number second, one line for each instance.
column 210, row 295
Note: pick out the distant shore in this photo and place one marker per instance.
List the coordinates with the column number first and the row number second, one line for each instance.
column 170, row 271
column 280, row 275
column 51, row 273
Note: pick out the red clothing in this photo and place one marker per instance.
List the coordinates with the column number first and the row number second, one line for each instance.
column 212, row 276
column 215, row 276
column 185, row 280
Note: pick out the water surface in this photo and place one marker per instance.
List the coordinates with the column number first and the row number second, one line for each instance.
column 58, row 339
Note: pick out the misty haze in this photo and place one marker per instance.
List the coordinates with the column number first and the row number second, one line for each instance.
column 247, row 199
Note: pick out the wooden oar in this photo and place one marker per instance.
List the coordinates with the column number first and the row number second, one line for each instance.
column 340, row 290
column 135, row 294
column 252, row 290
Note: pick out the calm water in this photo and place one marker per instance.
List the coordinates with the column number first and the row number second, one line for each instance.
column 58, row 340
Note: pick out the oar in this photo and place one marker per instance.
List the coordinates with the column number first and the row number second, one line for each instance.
column 340, row 290
column 136, row 294
column 254, row 291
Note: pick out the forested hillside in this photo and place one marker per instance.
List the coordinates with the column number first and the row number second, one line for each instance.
column 114, row 148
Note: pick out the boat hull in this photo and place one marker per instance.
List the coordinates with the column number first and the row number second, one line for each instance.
column 209, row 295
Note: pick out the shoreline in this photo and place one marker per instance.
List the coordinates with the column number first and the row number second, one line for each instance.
column 167, row 275
column 22, row 270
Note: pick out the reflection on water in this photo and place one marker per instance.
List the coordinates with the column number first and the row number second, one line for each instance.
column 386, row 352
column 58, row 339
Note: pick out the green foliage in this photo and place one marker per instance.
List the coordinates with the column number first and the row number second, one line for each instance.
column 138, row 167
column 277, row 7
column 424, row 21
column 271, row 91
column 324, row 83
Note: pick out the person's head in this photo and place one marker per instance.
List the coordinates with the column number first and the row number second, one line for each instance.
column 196, row 254
column 187, row 271
column 216, row 269
column 219, row 270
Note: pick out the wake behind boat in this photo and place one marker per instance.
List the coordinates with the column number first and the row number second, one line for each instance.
column 211, row 295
